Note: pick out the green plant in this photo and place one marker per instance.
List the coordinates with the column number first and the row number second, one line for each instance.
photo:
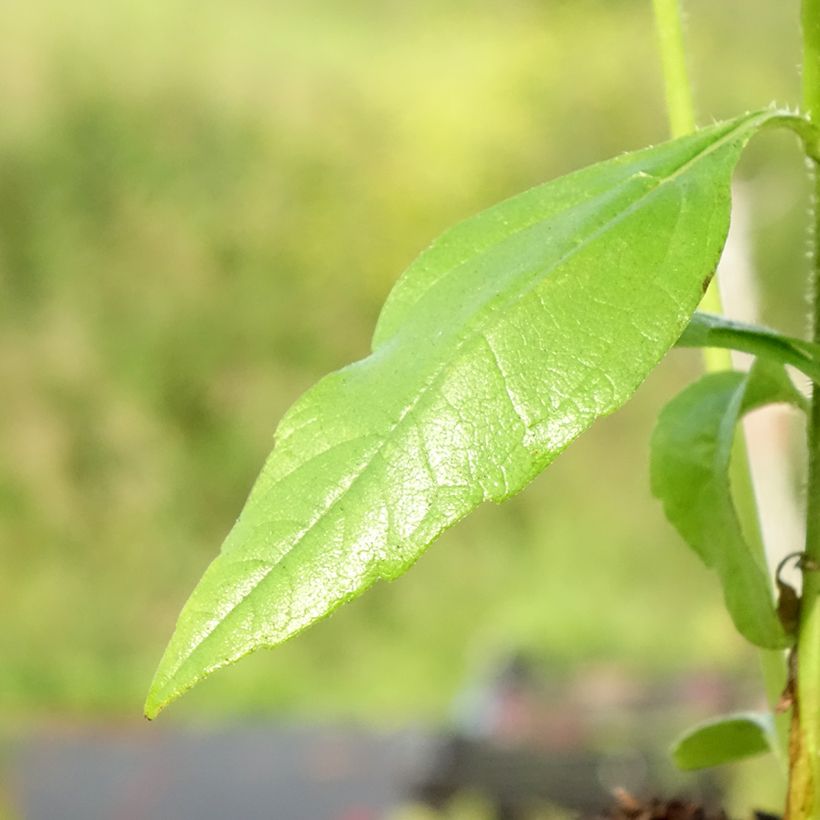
column 506, row 339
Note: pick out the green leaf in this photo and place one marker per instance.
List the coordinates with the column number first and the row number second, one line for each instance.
column 725, row 740
column 706, row 330
column 499, row 345
column 690, row 456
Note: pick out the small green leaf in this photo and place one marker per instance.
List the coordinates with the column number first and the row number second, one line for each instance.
column 725, row 740
column 501, row 344
column 706, row 330
column 690, row 456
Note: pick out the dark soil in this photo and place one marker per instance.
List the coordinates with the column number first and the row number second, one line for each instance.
column 628, row 807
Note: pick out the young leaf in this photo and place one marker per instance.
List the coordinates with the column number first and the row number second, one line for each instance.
column 725, row 740
column 706, row 330
column 502, row 343
column 690, row 455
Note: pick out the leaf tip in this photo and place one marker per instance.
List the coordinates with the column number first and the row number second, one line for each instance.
column 164, row 690
column 154, row 702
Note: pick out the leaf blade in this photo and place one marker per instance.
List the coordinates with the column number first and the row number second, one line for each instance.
column 725, row 739
column 691, row 450
column 475, row 384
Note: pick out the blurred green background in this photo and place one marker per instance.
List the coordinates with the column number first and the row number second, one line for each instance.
column 202, row 207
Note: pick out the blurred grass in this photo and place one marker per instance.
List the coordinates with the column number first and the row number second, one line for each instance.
column 202, row 207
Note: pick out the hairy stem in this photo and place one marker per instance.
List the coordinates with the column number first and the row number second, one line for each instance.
column 679, row 104
column 805, row 740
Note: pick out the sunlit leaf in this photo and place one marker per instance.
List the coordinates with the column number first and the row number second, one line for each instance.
column 725, row 739
column 498, row 346
column 691, row 454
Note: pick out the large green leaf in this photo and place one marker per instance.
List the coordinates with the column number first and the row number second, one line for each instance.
column 706, row 330
column 691, row 454
column 501, row 343
column 725, row 739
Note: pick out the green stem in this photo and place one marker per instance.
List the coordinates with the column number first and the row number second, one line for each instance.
column 681, row 112
column 803, row 800
column 805, row 742
column 810, row 18
column 679, row 104
column 680, row 108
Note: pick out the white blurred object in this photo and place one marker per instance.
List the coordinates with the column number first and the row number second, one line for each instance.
column 768, row 430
